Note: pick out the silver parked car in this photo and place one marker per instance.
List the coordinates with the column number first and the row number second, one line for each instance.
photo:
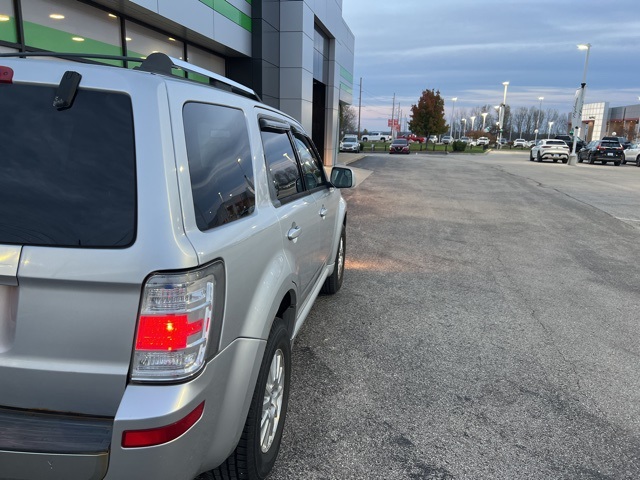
column 549, row 149
column 162, row 241
column 350, row 143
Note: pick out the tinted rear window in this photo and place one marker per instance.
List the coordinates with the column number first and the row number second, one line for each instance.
column 67, row 178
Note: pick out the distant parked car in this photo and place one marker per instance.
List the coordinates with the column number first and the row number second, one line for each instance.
column 550, row 149
column 412, row 138
column 447, row 139
column 350, row 143
column 520, row 142
column 632, row 154
column 483, row 141
column 621, row 140
column 602, row 151
column 375, row 137
column 465, row 139
column 433, row 138
column 568, row 139
column 399, row 145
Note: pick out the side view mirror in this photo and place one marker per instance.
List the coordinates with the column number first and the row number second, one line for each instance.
column 343, row 177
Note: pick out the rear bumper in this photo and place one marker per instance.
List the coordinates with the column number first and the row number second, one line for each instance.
column 354, row 148
column 557, row 155
column 226, row 386
column 606, row 158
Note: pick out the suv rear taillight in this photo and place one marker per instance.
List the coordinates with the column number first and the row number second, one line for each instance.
column 178, row 326
column 6, row 75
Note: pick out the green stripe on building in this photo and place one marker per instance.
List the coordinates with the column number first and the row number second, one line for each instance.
column 344, row 73
column 227, row 10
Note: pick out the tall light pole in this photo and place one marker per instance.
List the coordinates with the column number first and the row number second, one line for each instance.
column 453, row 105
column 576, row 118
column 549, row 130
column 538, row 120
column 502, row 112
column 473, row 120
column 484, row 119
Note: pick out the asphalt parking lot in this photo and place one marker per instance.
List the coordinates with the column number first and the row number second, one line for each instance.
column 487, row 327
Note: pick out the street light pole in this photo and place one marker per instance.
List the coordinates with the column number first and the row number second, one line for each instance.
column 502, row 112
column 484, row 118
column 473, row 120
column 538, row 120
column 549, row 130
column 576, row 121
column 464, row 126
column 453, row 105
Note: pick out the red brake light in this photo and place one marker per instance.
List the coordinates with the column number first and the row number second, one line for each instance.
column 166, row 332
column 157, row 436
column 6, row 75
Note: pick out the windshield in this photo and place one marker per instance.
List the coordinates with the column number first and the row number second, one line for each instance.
column 67, row 177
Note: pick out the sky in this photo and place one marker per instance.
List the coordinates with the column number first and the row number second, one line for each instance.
column 468, row 48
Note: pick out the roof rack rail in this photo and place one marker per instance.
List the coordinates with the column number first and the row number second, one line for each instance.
column 154, row 63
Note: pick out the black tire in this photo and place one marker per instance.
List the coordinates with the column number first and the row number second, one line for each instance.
column 617, row 164
column 531, row 156
column 564, row 160
column 539, row 157
column 623, row 159
column 590, row 160
column 638, row 161
column 579, row 159
column 249, row 461
column 334, row 281
column 555, row 160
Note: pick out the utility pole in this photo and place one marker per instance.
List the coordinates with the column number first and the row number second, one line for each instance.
column 393, row 112
column 359, row 107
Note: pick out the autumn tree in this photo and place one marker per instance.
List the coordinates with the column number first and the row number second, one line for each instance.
column 348, row 119
column 427, row 117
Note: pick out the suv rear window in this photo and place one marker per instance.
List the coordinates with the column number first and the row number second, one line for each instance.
column 67, row 177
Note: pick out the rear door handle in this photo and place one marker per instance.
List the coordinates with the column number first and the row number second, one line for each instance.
column 294, row 232
column 323, row 212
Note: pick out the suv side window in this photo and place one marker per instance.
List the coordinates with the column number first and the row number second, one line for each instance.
column 220, row 164
column 311, row 165
column 282, row 165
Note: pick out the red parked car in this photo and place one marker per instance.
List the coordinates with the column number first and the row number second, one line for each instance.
column 399, row 145
column 413, row 138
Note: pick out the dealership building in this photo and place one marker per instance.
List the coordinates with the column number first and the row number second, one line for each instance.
column 296, row 54
column 599, row 120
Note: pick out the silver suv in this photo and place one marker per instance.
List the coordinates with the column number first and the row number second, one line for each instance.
column 161, row 243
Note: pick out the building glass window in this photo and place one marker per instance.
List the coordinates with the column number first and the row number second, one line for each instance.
column 71, row 27
column 142, row 42
column 206, row 60
column 320, row 56
column 7, row 22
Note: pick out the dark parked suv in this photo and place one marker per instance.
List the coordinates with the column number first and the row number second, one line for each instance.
column 601, row 151
column 621, row 140
column 568, row 139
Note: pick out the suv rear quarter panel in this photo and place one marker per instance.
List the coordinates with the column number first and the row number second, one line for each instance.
column 258, row 273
